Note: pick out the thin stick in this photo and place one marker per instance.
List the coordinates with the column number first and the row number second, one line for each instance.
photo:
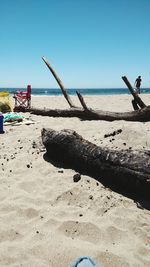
column 60, row 83
column 135, row 95
column 82, row 101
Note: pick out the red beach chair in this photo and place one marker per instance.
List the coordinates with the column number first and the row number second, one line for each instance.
column 22, row 99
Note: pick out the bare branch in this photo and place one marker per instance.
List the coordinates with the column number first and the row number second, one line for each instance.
column 60, row 83
column 82, row 101
column 135, row 94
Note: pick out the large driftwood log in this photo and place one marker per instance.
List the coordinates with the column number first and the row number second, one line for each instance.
column 89, row 114
column 128, row 170
column 86, row 113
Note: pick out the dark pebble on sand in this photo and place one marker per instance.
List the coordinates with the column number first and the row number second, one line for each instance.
column 77, row 177
column 60, row 171
column 34, row 145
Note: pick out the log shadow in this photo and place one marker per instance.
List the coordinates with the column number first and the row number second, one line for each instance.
column 141, row 201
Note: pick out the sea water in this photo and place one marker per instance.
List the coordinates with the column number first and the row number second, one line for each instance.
column 72, row 91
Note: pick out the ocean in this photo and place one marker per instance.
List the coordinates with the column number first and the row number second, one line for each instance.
column 83, row 91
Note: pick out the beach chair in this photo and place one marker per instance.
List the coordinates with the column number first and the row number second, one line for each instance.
column 22, row 99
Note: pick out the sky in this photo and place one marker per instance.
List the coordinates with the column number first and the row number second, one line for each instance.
column 88, row 43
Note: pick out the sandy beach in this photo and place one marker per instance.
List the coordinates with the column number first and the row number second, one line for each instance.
column 48, row 220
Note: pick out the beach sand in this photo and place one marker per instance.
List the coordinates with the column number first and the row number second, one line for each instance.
column 46, row 219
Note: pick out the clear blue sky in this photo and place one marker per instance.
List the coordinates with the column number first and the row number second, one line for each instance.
column 89, row 43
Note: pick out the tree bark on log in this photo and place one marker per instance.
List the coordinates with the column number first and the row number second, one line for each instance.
column 126, row 170
column 142, row 115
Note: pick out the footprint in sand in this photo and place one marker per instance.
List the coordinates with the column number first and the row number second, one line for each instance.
column 28, row 212
column 29, row 187
column 10, row 235
column 82, row 230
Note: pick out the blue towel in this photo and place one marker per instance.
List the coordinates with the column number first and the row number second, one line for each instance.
column 84, row 262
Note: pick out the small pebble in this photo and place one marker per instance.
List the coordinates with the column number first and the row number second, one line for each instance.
column 60, row 171
column 77, row 177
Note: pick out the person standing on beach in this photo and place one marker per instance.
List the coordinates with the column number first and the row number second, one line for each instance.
column 138, row 84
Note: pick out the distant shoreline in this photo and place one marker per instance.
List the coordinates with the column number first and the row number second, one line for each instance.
column 71, row 91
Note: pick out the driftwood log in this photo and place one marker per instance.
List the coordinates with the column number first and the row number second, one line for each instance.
column 126, row 170
column 141, row 111
column 142, row 115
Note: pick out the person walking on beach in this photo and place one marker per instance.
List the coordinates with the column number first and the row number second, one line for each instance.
column 138, row 84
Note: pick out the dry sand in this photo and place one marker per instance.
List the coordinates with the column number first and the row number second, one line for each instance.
column 47, row 220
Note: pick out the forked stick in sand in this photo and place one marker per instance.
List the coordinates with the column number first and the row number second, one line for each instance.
column 127, row 170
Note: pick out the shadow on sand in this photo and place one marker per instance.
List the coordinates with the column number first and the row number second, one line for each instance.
column 141, row 201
